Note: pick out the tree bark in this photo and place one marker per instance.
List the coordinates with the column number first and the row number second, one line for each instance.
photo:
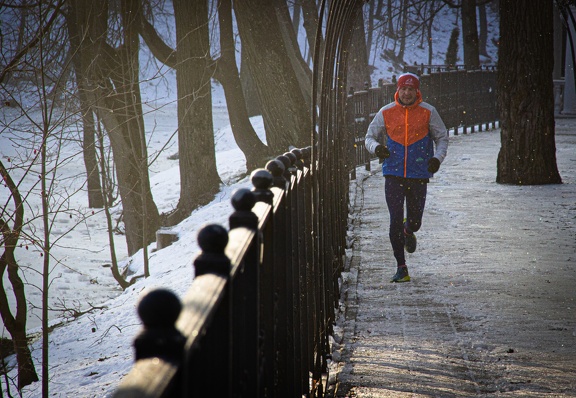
column 470, row 34
column 199, row 180
column 249, row 87
column 358, row 72
column 483, row 30
column 286, row 118
column 525, row 94
column 301, row 69
column 254, row 150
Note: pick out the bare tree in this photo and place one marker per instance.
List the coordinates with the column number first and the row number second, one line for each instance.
column 227, row 73
column 301, row 69
column 525, row 94
column 199, row 179
column 15, row 324
column 44, row 20
column 426, row 12
column 196, row 142
column 470, row 41
column 113, row 92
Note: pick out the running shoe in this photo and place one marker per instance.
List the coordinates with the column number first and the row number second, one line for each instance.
column 409, row 242
column 401, row 275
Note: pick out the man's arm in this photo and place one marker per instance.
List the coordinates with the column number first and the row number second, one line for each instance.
column 439, row 134
column 376, row 133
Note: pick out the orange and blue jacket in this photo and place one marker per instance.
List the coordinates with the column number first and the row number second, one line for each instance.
column 413, row 134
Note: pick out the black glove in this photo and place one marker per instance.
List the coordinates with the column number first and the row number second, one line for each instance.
column 382, row 152
column 433, row 165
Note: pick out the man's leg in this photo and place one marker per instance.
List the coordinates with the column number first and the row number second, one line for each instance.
column 415, row 202
column 394, row 189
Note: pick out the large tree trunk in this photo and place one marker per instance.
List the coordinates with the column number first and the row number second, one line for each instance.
column 254, row 150
column 483, row 30
column 301, row 69
column 525, row 93
column 470, row 34
column 286, row 117
column 249, row 87
column 310, row 24
column 358, row 72
column 199, row 180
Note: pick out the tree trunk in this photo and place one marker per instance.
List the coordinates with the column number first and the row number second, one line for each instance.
column 310, row 24
column 199, row 180
column 114, row 92
column 483, row 34
column 358, row 73
column 390, row 31
column 249, row 87
column 525, row 94
column 301, row 69
column 95, row 198
column 254, row 150
column 470, row 34
column 16, row 325
column 404, row 22
column 286, row 117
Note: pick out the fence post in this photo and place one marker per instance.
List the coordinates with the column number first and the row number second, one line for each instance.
column 277, row 169
column 213, row 355
column 262, row 180
column 243, row 200
column 245, row 286
column 159, row 309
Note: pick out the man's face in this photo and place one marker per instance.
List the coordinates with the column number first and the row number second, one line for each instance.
column 407, row 95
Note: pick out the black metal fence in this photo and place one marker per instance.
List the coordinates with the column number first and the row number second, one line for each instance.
column 254, row 321
column 465, row 99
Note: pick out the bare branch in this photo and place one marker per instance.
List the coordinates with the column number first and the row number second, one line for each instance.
column 32, row 42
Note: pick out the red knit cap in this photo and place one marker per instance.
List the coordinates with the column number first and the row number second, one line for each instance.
column 410, row 80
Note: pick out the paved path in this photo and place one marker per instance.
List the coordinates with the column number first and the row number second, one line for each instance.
column 491, row 309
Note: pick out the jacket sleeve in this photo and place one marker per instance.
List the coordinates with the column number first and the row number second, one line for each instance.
column 439, row 135
column 376, row 134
